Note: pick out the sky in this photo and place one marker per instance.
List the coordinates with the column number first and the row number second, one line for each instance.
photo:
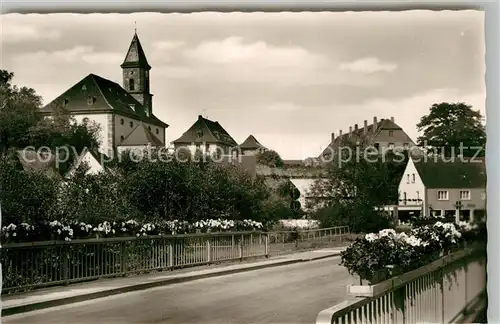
column 290, row 79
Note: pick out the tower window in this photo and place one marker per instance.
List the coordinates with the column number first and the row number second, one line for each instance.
column 157, row 131
column 131, row 72
column 131, row 84
column 91, row 100
column 122, row 121
column 131, row 124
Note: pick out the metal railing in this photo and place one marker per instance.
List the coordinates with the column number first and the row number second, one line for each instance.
column 445, row 291
column 40, row 264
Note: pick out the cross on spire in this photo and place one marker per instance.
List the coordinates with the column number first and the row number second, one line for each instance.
column 135, row 27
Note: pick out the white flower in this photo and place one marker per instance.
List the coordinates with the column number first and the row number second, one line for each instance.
column 371, row 237
column 14, row 234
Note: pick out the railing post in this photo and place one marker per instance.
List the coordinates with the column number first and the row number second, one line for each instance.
column 399, row 304
column 65, row 264
column 209, row 254
column 266, row 245
column 123, row 258
column 232, row 245
column 241, row 248
column 170, row 255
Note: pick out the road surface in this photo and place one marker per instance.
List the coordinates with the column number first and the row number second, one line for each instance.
column 284, row 294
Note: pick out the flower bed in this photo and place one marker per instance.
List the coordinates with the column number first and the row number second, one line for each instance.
column 378, row 256
column 56, row 230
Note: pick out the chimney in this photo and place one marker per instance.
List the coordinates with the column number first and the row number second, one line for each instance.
column 355, row 127
column 374, row 124
column 200, row 117
column 333, row 137
column 365, row 130
column 392, row 119
column 340, row 133
column 350, row 131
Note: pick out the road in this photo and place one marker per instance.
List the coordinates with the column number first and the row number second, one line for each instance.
column 284, row 294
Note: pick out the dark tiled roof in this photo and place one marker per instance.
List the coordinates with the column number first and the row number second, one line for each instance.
column 95, row 94
column 140, row 135
column 457, row 174
column 206, row 131
column 251, row 143
column 360, row 136
column 135, row 55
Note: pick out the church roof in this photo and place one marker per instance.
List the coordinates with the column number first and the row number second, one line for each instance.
column 139, row 136
column 135, row 55
column 206, row 131
column 251, row 143
column 95, row 94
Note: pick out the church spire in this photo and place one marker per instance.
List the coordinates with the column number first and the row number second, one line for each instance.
column 135, row 55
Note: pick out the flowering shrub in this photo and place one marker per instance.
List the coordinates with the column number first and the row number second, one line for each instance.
column 56, row 230
column 373, row 254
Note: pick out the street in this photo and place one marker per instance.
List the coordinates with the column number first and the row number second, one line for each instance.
column 284, row 294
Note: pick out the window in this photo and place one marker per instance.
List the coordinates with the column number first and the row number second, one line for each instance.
column 464, row 195
column 146, row 73
column 407, row 178
column 131, row 124
column 442, row 195
column 66, row 101
column 131, row 73
column 84, row 87
column 149, row 127
column 391, row 133
column 91, row 100
column 404, row 197
column 122, row 138
column 418, row 196
column 122, row 121
column 377, row 145
column 131, row 84
column 413, row 178
column 157, row 131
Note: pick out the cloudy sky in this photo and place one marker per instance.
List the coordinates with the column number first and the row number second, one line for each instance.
column 290, row 79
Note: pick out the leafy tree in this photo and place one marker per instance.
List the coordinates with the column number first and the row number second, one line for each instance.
column 270, row 158
column 19, row 111
column 25, row 196
column 450, row 124
column 354, row 189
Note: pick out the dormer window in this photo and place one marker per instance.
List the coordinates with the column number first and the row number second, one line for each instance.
column 91, row 100
column 199, row 133
column 65, row 102
column 84, row 87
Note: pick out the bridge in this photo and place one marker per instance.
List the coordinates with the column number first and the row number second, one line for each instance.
column 284, row 294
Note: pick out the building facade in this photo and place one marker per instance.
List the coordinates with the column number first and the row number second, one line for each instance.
column 383, row 135
column 124, row 113
column 207, row 137
column 438, row 188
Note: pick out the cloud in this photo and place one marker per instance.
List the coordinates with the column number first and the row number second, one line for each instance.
column 69, row 56
column 233, row 50
column 284, row 107
column 368, row 65
column 18, row 33
column 167, row 45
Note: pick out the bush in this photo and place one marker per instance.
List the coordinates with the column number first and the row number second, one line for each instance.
column 376, row 253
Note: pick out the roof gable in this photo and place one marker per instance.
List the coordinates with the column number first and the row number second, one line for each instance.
column 135, row 55
column 251, row 143
column 452, row 175
column 207, row 131
column 140, row 135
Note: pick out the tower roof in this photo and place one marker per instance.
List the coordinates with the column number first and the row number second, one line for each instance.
column 135, row 56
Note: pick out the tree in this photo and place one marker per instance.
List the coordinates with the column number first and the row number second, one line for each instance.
column 19, row 111
column 270, row 158
column 450, row 125
column 356, row 187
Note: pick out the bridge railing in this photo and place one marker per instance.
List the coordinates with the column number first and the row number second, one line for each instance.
column 39, row 264
column 445, row 291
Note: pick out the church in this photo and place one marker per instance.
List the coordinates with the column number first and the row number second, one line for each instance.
column 124, row 112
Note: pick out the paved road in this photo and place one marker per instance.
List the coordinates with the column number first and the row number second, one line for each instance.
column 285, row 294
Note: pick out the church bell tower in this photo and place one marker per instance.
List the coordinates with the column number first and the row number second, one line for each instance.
column 136, row 75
